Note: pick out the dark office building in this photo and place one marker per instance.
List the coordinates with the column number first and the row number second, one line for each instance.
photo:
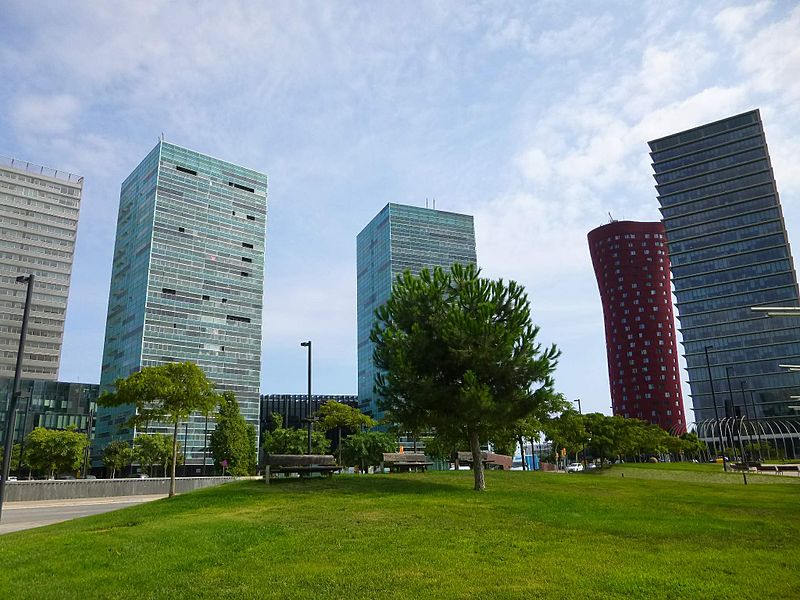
column 631, row 264
column 48, row 404
column 729, row 251
column 294, row 407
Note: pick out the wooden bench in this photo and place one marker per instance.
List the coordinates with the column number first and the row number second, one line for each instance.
column 779, row 469
column 490, row 460
column 302, row 464
column 405, row 461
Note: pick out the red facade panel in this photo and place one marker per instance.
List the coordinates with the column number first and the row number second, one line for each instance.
column 631, row 264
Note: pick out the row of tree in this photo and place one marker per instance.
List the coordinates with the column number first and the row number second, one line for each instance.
column 50, row 451
column 606, row 438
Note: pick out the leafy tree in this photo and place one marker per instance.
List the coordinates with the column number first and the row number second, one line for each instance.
column 234, row 439
column 366, row 448
column 15, row 456
column 288, row 440
column 51, row 451
column 568, row 431
column 155, row 449
column 166, row 393
column 458, row 354
column 117, row 455
column 335, row 415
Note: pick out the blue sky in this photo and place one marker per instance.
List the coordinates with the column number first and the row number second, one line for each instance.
column 532, row 116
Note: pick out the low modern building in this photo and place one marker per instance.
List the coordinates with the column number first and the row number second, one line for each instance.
column 631, row 264
column 401, row 238
column 293, row 408
column 39, row 210
column 48, row 404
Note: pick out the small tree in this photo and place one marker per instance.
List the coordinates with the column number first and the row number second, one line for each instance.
column 234, row 439
column 155, row 449
column 15, row 458
column 287, row 440
column 366, row 448
column 458, row 354
column 51, row 451
column 117, row 455
column 335, row 415
column 167, row 393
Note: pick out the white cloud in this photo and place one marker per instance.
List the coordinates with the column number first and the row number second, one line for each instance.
column 733, row 22
column 45, row 114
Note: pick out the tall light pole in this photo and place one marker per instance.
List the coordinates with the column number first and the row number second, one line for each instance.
column 716, row 412
column 580, row 412
column 308, row 405
column 12, row 404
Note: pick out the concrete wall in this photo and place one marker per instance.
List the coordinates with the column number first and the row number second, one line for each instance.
column 19, row 491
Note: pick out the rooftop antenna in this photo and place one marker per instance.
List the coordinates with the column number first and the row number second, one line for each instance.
column 610, row 218
column 434, row 204
column 162, row 136
column 426, row 203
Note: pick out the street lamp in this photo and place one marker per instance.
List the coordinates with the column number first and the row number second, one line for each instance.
column 308, row 405
column 580, row 412
column 716, row 412
column 12, row 405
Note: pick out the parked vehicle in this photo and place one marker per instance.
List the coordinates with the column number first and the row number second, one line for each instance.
column 574, row 467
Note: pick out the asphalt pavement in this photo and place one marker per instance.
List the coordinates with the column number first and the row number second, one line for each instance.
column 26, row 515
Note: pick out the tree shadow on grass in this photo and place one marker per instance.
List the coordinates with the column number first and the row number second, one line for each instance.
column 394, row 484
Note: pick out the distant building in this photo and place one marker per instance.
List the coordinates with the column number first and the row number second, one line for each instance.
column 39, row 210
column 631, row 264
column 293, row 408
column 401, row 238
column 729, row 251
column 48, row 404
column 187, row 283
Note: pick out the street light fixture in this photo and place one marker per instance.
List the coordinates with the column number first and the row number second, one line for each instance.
column 716, row 412
column 580, row 412
column 308, row 405
column 12, row 405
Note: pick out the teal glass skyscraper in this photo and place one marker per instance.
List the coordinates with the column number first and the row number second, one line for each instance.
column 187, row 283
column 401, row 238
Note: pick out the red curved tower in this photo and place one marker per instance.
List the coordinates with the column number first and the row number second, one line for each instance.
column 631, row 264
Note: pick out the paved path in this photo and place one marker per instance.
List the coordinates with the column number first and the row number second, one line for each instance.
column 26, row 515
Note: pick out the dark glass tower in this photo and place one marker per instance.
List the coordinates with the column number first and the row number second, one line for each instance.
column 729, row 251
column 401, row 238
column 631, row 264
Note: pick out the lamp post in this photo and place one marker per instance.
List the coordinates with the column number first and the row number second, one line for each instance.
column 12, row 405
column 308, row 405
column 580, row 412
column 716, row 412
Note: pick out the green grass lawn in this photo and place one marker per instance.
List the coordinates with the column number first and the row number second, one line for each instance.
column 530, row 535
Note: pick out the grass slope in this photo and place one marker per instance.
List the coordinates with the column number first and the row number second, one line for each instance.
column 428, row 536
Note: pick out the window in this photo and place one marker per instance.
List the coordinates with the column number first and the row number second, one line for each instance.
column 245, row 274
column 251, row 218
column 248, row 260
column 246, row 245
column 185, row 170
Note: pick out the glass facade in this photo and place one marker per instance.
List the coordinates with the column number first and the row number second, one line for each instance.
column 401, row 238
column 729, row 251
column 631, row 264
column 38, row 223
column 48, row 404
column 187, row 282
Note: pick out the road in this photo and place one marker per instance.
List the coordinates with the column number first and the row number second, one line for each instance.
column 26, row 515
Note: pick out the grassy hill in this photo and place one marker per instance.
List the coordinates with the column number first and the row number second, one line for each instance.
column 531, row 535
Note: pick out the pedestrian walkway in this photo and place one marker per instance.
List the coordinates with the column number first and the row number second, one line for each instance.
column 27, row 515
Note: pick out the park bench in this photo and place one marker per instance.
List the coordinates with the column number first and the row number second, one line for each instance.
column 302, row 464
column 779, row 469
column 405, row 461
column 490, row 460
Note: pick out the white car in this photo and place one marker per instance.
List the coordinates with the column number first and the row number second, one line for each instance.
column 574, row 467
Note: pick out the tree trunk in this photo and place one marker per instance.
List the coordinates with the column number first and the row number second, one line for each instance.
column 174, row 459
column 522, row 453
column 339, row 447
column 477, row 461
